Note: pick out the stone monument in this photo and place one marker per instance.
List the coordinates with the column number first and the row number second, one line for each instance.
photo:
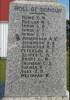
column 40, row 0
column 36, row 62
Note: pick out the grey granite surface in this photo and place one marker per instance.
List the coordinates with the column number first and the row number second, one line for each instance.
column 36, row 62
column 40, row 0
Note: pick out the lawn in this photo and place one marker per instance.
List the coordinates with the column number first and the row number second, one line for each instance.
column 68, row 69
column 2, row 70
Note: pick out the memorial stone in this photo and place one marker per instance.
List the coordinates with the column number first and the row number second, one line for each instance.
column 40, row 0
column 36, row 63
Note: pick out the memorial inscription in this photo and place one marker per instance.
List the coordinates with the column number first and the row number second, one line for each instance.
column 34, row 53
column 38, row 54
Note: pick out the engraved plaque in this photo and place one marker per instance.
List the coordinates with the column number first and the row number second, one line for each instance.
column 36, row 50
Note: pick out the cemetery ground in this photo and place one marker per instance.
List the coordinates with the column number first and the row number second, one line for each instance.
column 2, row 76
column 3, row 69
column 68, row 69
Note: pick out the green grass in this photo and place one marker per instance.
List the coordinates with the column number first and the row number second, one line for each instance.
column 68, row 69
column 2, row 70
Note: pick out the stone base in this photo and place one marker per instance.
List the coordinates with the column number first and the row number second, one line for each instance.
column 39, row 0
column 38, row 98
